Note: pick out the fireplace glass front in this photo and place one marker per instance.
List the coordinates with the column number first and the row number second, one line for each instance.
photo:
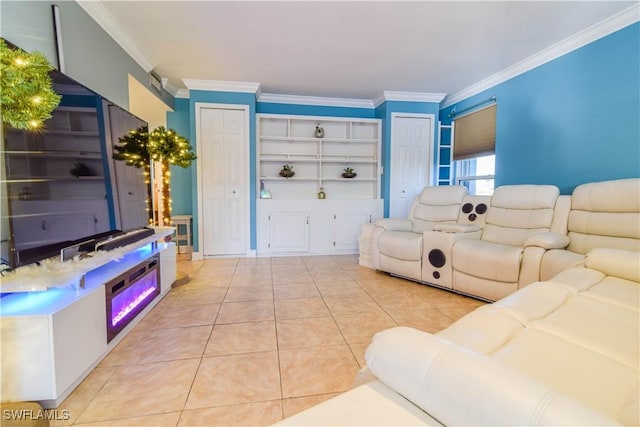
column 128, row 294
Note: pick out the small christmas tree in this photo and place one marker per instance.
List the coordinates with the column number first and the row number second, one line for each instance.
column 139, row 147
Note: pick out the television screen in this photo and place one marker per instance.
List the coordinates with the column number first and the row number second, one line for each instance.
column 61, row 185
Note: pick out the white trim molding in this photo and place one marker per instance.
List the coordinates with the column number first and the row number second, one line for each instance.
column 181, row 93
column 222, row 86
column 315, row 100
column 578, row 40
column 99, row 13
column 408, row 97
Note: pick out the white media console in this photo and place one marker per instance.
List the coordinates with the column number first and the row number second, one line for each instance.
column 52, row 339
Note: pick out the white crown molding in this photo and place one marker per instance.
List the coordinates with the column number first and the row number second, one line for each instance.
column 388, row 95
column 181, row 93
column 105, row 20
column 578, row 40
column 222, row 86
column 170, row 87
column 315, row 100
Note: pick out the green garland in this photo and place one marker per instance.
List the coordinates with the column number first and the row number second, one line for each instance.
column 26, row 96
column 139, row 146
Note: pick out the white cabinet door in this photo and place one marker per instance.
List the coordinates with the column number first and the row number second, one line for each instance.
column 224, row 181
column 348, row 226
column 412, row 145
column 289, row 232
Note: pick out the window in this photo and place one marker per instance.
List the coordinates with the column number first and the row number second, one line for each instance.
column 474, row 158
column 476, row 174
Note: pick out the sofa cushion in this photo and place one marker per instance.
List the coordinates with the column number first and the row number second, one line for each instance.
column 484, row 330
column 590, row 377
column 518, row 212
column 605, row 214
column 487, row 260
column 534, row 302
column 615, row 290
column 436, row 204
column 604, row 328
column 461, row 387
column 402, row 245
column 525, row 197
column 615, row 262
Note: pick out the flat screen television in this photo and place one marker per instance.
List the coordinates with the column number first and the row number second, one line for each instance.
column 61, row 186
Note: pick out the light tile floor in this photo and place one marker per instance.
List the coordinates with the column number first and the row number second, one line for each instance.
column 250, row 341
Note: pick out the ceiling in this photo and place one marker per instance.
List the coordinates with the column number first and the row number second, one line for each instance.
column 344, row 49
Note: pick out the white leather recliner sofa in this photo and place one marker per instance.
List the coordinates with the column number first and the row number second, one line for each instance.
column 398, row 242
column 485, row 246
column 560, row 352
column 507, row 255
column 602, row 215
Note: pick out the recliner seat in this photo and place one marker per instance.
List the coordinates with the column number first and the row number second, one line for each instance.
column 399, row 242
column 507, row 256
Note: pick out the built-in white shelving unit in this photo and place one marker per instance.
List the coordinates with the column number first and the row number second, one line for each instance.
column 319, row 161
column 316, row 226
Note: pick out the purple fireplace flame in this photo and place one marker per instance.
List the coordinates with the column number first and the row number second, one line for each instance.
column 132, row 297
column 129, row 294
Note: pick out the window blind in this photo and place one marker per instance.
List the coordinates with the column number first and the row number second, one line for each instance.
column 475, row 134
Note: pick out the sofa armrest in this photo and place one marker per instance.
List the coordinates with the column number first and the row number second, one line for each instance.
column 457, row 386
column 456, row 228
column 395, row 224
column 548, row 241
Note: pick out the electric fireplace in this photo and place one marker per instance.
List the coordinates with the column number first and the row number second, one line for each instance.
column 128, row 294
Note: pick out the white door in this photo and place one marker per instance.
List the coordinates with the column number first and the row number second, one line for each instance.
column 224, row 186
column 411, row 148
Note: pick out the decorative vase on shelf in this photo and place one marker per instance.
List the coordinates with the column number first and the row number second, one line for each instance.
column 287, row 171
column 322, row 194
column 349, row 173
column 80, row 169
column 319, row 132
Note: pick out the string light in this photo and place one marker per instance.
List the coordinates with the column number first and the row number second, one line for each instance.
column 27, row 97
column 140, row 147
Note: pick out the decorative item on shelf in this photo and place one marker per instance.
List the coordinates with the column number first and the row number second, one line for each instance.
column 322, row 194
column 167, row 146
column 27, row 97
column 349, row 173
column 80, row 169
column 264, row 193
column 287, row 171
column 25, row 194
column 319, row 131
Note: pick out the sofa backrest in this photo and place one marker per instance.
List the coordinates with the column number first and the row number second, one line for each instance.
column 605, row 215
column 436, row 205
column 518, row 212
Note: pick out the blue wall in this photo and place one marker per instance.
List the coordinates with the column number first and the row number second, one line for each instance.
column 181, row 178
column 575, row 119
